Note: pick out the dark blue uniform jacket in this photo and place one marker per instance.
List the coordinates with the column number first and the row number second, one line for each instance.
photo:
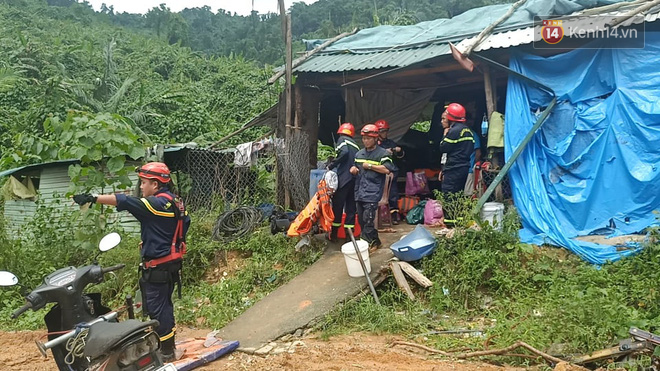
column 158, row 221
column 369, row 184
column 344, row 158
column 459, row 145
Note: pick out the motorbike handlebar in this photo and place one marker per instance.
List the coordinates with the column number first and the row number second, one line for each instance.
column 20, row 310
column 113, row 268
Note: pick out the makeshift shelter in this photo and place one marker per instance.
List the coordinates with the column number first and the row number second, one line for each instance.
column 397, row 73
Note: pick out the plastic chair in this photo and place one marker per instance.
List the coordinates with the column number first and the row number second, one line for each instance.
column 383, row 215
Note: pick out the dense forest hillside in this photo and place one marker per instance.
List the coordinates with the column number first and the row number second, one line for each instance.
column 192, row 75
column 54, row 59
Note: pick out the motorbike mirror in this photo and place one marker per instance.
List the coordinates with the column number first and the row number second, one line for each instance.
column 8, row 279
column 109, row 241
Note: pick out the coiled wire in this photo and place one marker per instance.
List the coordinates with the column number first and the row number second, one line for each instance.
column 76, row 346
column 234, row 224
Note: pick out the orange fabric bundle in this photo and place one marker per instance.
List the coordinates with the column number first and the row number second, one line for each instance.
column 318, row 210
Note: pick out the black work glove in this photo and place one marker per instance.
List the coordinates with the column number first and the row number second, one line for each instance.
column 84, row 198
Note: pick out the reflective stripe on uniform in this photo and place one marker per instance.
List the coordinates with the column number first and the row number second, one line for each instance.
column 156, row 212
column 171, row 334
column 347, row 143
column 361, row 160
column 458, row 140
column 382, row 160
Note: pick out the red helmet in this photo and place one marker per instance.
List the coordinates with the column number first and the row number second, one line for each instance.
column 154, row 170
column 382, row 125
column 369, row 130
column 455, row 112
column 346, row 128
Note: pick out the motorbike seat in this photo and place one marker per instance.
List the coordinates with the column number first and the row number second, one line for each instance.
column 103, row 336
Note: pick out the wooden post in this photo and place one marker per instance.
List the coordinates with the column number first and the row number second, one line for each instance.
column 289, row 70
column 298, row 118
column 489, row 90
column 286, row 32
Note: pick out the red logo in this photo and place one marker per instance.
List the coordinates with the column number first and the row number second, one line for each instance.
column 552, row 31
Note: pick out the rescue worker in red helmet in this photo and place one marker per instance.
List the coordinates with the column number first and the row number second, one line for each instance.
column 397, row 152
column 343, row 200
column 458, row 144
column 164, row 224
column 372, row 163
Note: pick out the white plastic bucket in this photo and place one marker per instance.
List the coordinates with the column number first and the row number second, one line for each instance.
column 352, row 260
column 493, row 212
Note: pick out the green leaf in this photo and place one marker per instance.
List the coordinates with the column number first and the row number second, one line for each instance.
column 74, row 171
column 87, row 142
column 95, row 154
column 116, row 163
column 136, row 152
column 125, row 181
column 78, row 152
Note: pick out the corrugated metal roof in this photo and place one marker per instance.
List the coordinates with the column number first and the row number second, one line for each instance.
column 528, row 35
column 326, row 62
column 36, row 166
column 371, row 60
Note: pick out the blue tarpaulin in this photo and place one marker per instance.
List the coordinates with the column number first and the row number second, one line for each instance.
column 593, row 167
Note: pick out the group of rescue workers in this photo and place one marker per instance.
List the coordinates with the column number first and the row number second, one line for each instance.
column 362, row 172
column 361, row 176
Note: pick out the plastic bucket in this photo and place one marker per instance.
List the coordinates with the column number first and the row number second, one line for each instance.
column 352, row 260
column 493, row 212
column 315, row 175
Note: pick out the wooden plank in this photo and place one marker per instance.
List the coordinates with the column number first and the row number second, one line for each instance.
column 401, row 279
column 415, row 274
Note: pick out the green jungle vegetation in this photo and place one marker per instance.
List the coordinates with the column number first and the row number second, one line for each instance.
column 98, row 85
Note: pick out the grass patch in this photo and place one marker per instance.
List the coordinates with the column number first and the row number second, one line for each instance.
column 57, row 239
column 488, row 280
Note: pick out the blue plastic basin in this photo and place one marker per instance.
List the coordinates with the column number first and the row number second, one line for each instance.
column 415, row 245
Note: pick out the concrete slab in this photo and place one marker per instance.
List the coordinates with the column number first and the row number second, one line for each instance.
column 307, row 297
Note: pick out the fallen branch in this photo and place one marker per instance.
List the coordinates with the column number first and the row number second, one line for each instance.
column 423, row 347
column 508, row 349
column 503, row 351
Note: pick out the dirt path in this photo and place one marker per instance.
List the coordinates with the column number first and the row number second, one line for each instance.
column 351, row 352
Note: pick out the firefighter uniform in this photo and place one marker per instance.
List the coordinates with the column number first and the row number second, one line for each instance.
column 157, row 217
column 343, row 199
column 369, row 189
column 458, row 144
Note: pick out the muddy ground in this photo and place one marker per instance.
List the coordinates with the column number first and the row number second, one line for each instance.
column 351, row 352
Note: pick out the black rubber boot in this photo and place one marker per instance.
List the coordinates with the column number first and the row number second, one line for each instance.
column 167, row 350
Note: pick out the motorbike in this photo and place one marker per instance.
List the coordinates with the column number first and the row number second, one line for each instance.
column 83, row 334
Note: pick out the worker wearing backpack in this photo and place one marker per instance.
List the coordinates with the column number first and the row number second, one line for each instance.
column 164, row 224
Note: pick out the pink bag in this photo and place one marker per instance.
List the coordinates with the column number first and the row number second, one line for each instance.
column 416, row 184
column 433, row 214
